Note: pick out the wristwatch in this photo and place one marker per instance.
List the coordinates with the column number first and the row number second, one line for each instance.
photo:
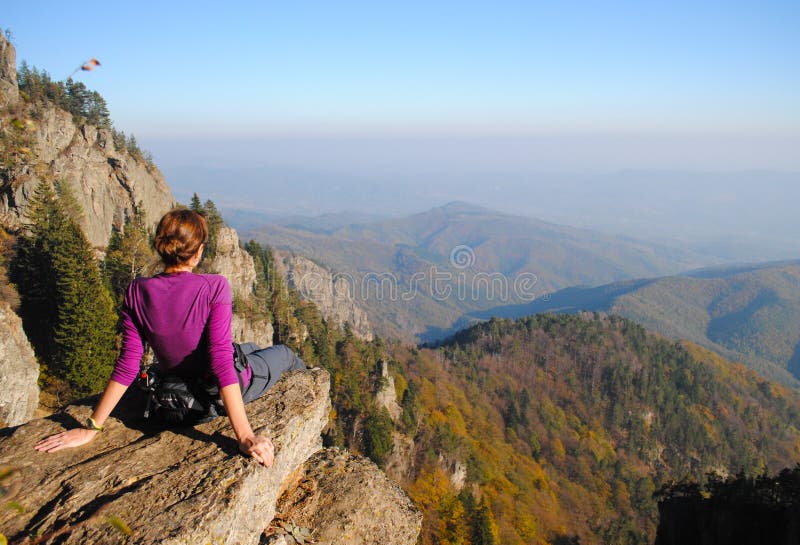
column 90, row 424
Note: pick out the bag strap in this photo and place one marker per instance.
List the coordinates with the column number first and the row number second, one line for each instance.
column 240, row 363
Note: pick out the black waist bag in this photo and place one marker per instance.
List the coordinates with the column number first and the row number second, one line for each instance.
column 175, row 401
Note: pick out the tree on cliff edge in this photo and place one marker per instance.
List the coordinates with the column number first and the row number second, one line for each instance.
column 129, row 254
column 66, row 309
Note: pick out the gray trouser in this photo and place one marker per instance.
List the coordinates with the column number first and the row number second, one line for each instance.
column 268, row 364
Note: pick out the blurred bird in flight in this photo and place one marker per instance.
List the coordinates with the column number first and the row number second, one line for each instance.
column 88, row 66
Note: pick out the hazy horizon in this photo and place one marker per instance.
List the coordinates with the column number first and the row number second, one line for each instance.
column 675, row 122
column 741, row 216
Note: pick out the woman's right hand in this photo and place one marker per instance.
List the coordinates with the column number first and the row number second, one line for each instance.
column 66, row 439
column 260, row 448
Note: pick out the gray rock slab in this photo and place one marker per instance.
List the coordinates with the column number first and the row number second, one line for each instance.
column 182, row 486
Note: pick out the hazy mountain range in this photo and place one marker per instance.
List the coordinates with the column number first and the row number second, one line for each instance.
column 744, row 312
column 737, row 216
column 459, row 258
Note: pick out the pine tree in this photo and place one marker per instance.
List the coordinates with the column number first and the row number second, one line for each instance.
column 119, row 139
column 195, row 205
column 97, row 111
column 287, row 328
column 85, row 327
column 32, row 270
column 215, row 223
column 66, row 309
column 265, row 268
column 133, row 147
column 8, row 292
column 78, row 98
column 378, row 441
column 262, row 257
column 483, row 526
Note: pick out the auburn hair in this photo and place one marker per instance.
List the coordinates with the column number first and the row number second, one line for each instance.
column 179, row 235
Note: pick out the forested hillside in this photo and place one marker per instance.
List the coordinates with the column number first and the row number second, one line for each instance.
column 746, row 313
column 569, row 424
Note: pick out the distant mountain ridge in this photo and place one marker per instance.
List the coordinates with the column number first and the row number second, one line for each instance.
column 247, row 219
column 746, row 313
column 469, row 244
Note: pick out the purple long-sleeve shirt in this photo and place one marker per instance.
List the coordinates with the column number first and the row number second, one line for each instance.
column 186, row 319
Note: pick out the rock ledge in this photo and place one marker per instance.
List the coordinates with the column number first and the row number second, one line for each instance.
column 187, row 485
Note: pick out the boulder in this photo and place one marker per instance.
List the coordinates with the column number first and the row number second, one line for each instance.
column 187, row 485
column 344, row 499
column 19, row 371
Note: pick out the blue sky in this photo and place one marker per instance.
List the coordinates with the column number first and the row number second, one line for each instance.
column 239, row 69
column 563, row 110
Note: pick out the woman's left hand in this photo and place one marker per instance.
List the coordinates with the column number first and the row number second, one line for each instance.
column 66, row 439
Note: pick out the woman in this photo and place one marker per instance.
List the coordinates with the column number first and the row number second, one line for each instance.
column 186, row 319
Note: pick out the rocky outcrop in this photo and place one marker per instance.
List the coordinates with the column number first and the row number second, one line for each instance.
column 9, row 92
column 184, row 486
column 331, row 293
column 245, row 330
column 239, row 268
column 19, row 371
column 108, row 184
column 455, row 469
column 234, row 263
column 386, row 396
column 344, row 500
column 191, row 485
column 400, row 462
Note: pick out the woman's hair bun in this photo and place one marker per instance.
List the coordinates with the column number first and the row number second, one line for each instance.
column 179, row 235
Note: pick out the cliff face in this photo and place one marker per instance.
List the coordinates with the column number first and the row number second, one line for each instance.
column 239, row 268
column 386, row 395
column 108, row 184
column 190, row 485
column 331, row 293
column 19, row 371
column 9, row 93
